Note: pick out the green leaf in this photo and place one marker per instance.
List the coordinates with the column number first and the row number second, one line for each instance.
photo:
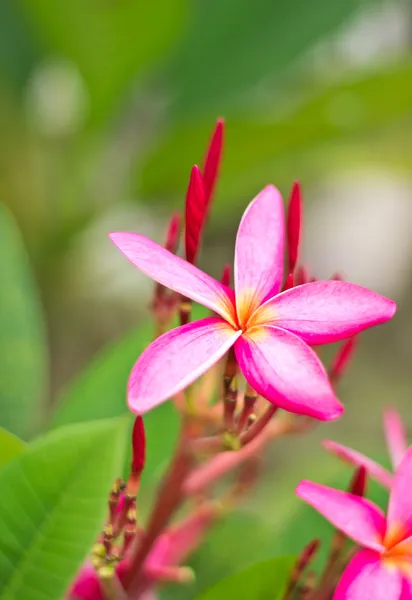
column 99, row 391
column 261, row 581
column 277, row 143
column 23, row 355
column 10, row 446
column 110, row 42
column 233, row 45
column 53, row 503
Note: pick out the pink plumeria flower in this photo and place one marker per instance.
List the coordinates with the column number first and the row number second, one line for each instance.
column 397, row 445
column 270, row 331
column 382, row 570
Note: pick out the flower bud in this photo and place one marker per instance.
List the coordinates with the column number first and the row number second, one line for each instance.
column 138, row 445
column 173, row 233
column 294, row 225
column 342, row 359
column 195, row 214
column 225, row 279
column 213, row 158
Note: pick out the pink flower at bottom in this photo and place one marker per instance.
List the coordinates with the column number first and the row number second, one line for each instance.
column 396, row 442
column 270, row 331
column 382, row 570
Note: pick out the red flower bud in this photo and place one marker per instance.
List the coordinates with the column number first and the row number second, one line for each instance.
column 294, row 225
column 225, row 279
column 195, row 214
column 212, row 161
column 301, row 276
column 138, row 445
column 288, row 283
column 357, row 485
column 343, row 358
column 173, row 233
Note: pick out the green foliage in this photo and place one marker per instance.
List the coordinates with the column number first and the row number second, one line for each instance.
column 232, row 45
column 99, row 391
column 10, row 446
column 265, row 580
column 234, row 543
column 52, row 505
column 110, row 42
column 23, row 357
column 274, row 144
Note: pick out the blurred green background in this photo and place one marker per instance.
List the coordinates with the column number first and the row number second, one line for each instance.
column 104, row 107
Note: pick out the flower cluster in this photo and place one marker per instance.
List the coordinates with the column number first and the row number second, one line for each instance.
column 263, row 331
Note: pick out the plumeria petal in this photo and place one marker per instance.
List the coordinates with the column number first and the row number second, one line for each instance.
column 176, row 359
column 259, row 251
column 400, row 502
column 175, row 273
column 395, row 436
column 376, row 471
column 406, row 589
column 356, row 517
column 367, row 578
column 325, row 311
column 283, row 369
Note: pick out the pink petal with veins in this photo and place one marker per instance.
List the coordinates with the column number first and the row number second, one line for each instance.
column 258, row 268
column 285, row 371
column 367, row 578
column 176, row 359
column 175, row 273
column 356, row 517
column 380, row 474
column 326, row 311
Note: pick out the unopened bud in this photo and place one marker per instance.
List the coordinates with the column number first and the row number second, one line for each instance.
column 138, row 445
column 195, row 214
column 289, row 283
column 294, row 225
column 225, row 279
column 106, row 572
column 173, row 233
column 343, row 358
column 99, row 550
column 308, row 553
column 301, row 276
column 357, row 485
column 213, row 159
column 186, row 575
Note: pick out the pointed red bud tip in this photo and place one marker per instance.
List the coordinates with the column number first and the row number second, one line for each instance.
column 357, row 485
column 289, row 283
column 138, row 445
column 173, row 233
column 294, row 224
column 213, row 158
column 343, row 358
column 301, row 276
column 308, row 553
column 195, row 214
column 225, row 279
column 337, row 277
